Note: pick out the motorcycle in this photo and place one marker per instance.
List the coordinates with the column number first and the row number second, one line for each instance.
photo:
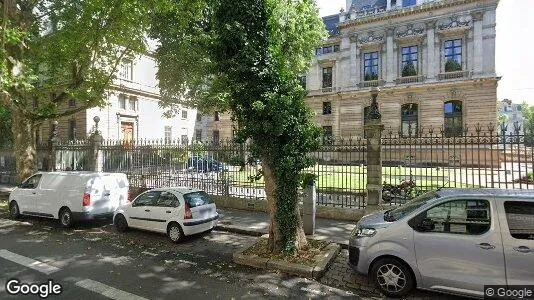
column 406, row 190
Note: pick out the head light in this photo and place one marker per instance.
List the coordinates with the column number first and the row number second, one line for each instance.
column 365, row 232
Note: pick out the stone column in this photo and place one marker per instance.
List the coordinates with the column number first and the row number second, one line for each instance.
column 309, row 209
column 477, row 47
column 95, row 143
column 390, row 71
column 52, row 148
column 431, row 51
column 374, row 130
column 354, row 61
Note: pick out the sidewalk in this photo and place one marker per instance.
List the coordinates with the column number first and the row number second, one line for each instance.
column 257, row 224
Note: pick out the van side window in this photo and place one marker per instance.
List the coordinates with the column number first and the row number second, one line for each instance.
column 520, row 218
column 167, row 199
column 32, row 182
column 146, row 199
column 470, row 217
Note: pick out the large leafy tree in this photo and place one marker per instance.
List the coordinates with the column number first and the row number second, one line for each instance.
column 54, row 51
column 245, row 56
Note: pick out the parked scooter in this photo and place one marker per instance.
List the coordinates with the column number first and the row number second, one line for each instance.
column 406, row 190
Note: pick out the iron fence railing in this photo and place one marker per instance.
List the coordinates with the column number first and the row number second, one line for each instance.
column 482, row 157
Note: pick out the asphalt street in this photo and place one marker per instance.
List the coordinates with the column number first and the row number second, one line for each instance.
column 93, row 261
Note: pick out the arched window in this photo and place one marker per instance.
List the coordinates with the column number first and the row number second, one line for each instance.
column 453, row 118
column 409, row 125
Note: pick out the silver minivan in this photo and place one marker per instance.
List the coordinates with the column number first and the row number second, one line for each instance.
column 452, row 240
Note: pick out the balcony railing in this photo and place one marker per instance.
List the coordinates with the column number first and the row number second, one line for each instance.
column 410, row 79
column 371, row 83
column 453, row 75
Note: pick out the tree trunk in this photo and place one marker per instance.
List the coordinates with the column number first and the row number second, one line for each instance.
column 275, row 242
column 24, row 144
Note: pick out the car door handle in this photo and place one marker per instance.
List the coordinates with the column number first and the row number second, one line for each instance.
column 34, row 193
column 486, row 246
column 168, row 211
column 523, row 249
column 107, row 194
column 147, row 210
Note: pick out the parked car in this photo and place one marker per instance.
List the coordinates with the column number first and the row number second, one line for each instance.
column 451, row 240
column 205, row 164
column 177, row 211
column 69, row 196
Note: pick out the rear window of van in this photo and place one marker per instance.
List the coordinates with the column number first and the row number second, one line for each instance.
column 197, row 199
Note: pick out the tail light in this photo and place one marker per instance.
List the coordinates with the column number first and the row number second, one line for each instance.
column 188, row 214
column 86, row 199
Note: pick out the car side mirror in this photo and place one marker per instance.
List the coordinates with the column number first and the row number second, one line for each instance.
column 427, row 225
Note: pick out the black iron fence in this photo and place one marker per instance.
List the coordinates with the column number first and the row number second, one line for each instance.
column 411, row 165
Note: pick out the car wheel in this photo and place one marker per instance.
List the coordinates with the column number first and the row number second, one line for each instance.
column 120, row 223
column 175, row 232
column 392, row 277
column 65, row 218
column 14, row 210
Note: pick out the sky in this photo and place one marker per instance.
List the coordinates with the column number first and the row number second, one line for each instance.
column 514, row 56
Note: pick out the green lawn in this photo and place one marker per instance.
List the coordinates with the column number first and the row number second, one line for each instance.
column 353, row 179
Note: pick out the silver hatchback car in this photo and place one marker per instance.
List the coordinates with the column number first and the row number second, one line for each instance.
column 452, row 240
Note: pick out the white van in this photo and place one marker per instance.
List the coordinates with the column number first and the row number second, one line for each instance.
column 69, row 196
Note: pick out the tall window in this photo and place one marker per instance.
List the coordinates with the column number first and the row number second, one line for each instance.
column 125, row 70
column 453, row 55
column 199, row 117
column 216, row 137
column 370, row 66
column 406, row 3
column 122, row 101
column 133, row 103
column 184, row 139
column 327, row 108
column 409, row 61
column 302, row 81
column 453, row 118
column 216, row 116
column 198, row 135
column 327, row 77
column 72, row 129
column 184, row 114
column 409, row 119
column 327, row 135
column 168, row 134
column 72, row 103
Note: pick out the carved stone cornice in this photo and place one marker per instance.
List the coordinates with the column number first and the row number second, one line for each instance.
column 353, row 38
column 371, row 38
column 454, row 94
column 431, row 24
column 454, row 24
column 410, row 31
column 410, row 97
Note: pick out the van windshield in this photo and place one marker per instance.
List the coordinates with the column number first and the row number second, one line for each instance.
column 410, row 206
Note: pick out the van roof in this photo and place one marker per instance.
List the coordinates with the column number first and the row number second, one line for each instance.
column 504, row 193
column 81, row 173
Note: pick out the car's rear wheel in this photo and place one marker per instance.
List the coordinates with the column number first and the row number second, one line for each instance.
column 120, row 223
column 14, row 210
column 65, row 218
column 175, row 232
column 392, row 277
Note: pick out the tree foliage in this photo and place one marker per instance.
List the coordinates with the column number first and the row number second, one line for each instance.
column 55, row 51
column 245, row 56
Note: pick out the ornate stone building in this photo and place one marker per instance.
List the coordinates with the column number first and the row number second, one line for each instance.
column 434, row 62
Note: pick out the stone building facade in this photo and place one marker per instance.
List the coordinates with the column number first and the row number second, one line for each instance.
column 434, row 62
column 132, row 111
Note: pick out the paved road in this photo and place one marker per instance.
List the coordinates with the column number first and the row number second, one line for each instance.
column 94, row 261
